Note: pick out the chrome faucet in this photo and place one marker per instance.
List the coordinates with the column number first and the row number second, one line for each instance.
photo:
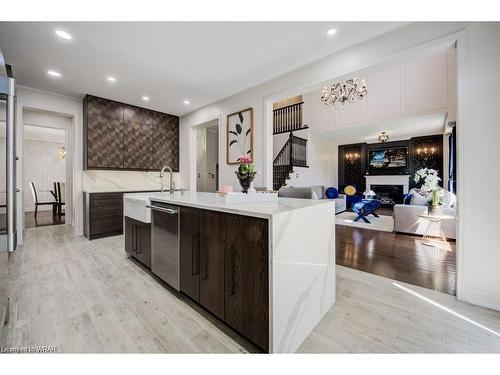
column 162, row 174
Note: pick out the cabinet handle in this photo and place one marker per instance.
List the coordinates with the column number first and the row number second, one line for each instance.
column 230, row 275
column 195, row 254
column 204, row 261
column 136, row 241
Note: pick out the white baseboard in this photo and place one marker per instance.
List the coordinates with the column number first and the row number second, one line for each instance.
column 480, row 298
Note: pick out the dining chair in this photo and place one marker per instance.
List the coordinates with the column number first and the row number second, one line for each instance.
column 37, row 203
column 59, row 189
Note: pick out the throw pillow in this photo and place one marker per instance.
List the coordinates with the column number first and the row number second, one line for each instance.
column 350, row 190
column 418, row 200
column 314, row 195
column 448, row 199
column 319, row 190
column 332, row 193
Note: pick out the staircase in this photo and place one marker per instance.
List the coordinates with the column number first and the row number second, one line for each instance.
column 293, row 153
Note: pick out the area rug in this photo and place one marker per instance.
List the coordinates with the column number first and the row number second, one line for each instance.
column 383, row 222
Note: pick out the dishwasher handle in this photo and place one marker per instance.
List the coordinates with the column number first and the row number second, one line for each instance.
column 162, row 209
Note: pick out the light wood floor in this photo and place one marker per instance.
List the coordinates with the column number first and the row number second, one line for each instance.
column 86, row 296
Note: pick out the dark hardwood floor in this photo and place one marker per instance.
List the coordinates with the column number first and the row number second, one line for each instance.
column 396, row 256
column 43, row 219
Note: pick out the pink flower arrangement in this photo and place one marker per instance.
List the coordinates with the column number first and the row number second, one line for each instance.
column 245, row 159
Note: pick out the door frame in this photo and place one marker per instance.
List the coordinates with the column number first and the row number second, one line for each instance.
column 194, row 151
column 68, row 144
column 32, row 99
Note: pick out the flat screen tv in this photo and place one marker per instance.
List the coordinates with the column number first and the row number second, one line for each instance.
column 388, row 159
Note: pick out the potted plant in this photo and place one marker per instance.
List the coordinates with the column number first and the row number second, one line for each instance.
column 429, row 180
column 245, row 173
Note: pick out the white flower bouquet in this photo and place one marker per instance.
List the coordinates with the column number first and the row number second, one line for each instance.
column 430, row 184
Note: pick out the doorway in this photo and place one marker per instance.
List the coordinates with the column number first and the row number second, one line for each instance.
column 46, row 169
column 207, row 157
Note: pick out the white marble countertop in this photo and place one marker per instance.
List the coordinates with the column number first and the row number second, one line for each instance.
column 120, row 190
column 209, row 201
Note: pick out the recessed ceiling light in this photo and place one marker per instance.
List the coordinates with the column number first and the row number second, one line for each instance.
column 111, row 79
column 63, row 35
column 145, row 98
column 187, row 102
column 331, row 32
column 53, row 73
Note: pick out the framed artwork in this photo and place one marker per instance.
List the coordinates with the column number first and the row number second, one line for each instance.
column 239, row 135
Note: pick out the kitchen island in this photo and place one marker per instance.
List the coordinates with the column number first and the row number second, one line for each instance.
column 265, row 269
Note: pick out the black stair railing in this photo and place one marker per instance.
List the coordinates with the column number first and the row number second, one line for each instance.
column 288, row 119
column 292, row 154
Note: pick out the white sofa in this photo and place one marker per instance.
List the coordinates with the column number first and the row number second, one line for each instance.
column 406, row 219
column 312, row 192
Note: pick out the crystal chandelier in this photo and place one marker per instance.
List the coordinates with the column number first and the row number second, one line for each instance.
column 383, row 137
column 343, row 92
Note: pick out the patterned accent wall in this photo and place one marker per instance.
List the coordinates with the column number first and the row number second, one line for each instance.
column 104, row 133
column 165, row 141
column 137, row 138
column 122, row 136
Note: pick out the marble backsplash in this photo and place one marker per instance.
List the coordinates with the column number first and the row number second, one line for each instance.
column 102, row 180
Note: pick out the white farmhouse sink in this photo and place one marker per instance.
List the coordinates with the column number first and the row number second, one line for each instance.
column 135, row 208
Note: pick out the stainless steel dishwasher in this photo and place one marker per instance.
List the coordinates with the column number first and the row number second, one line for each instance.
column 165, row 257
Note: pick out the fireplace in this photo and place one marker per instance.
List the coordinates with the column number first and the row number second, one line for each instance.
column 388, row 195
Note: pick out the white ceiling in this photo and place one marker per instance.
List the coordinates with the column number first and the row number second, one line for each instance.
column 398, row 129
column 170, row 62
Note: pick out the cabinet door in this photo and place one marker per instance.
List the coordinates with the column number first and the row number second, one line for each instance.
column 212, row 261
column 138, row 134
column 129, row 236
column 165, row 141
column 190, row 252
column 104, row 133
column 247, row 277
column 143, row 243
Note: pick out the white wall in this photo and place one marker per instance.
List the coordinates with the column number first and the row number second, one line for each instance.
column 396, row 91
column 31, row 99
column 478, row 134
column 322, row 158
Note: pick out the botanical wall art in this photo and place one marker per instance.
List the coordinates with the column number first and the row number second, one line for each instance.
column 239, row 135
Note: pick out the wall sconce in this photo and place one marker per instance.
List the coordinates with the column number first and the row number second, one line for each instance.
column 352, row 157
column 426, row 152
column 62, row 152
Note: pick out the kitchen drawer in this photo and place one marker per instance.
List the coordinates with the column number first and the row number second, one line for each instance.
column 103, row 226
column 99, row 199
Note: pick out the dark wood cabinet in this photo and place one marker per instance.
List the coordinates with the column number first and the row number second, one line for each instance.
column 165, row 141
column 138, row 132
column 123, row 136
column 212, row 245
column 247, row 278
column 190, row 252
column 224, row 267
column 138, row 240
column 103, row 133
column 103, row 215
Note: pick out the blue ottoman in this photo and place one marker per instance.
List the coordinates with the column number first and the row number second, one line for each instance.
column 364, row 208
